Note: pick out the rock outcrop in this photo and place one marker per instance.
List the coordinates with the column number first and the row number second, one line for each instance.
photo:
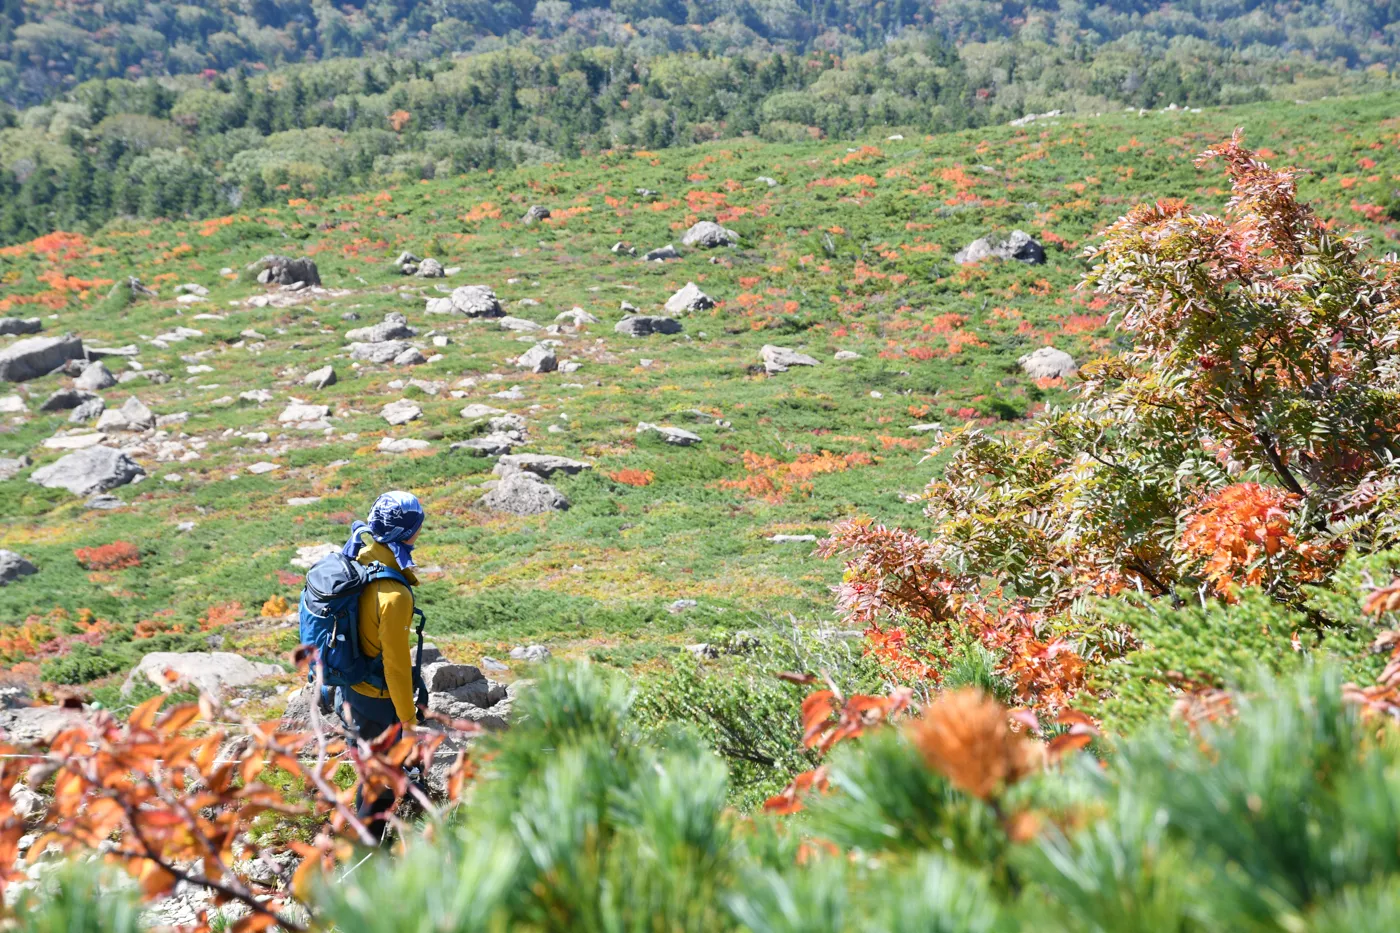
column 38, row 356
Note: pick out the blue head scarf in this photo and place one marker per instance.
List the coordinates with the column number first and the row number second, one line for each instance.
column 394, row 518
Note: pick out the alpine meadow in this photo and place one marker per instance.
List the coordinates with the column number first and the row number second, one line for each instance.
column 769, row 466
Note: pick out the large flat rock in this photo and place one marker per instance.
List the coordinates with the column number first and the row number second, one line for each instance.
column 212, row 672
column 37, row 356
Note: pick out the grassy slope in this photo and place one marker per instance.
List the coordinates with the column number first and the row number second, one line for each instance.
column 853, row 250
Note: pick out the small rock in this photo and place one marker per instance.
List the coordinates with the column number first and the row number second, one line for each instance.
column 534, row 215
column 779, row 359
column 845, row 356
column 430, row 269
column 544, row 465
column 1048, row 363
column 670, row 435
column 703, row 651
column 64, row 399
column 662, row 253
column 707, row 235
column 298, row 412
column 211, row 672
column 84, row 472
column 577, row 316
column 310, row 555
column 792, row 539
column 926, row 428
column 10, row 467
column 524, row 493
column 477, row 410
column 256, row 395
column 95, row 378
column 517, row 324
column 263, row 466
column 320, row 378
column 532, row 653
column 132, row 416
column 689, row 298
column 410, row 357
column 645, row 325
column 13, row 566
column 681, row 605
column 12, row 405
column 538, row 359
column 401, row 412
column 15, row 326
column 402, row 445
column 93, row 408
column 1019, row 246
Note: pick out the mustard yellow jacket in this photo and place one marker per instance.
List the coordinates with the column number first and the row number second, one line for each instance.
column 386, row 615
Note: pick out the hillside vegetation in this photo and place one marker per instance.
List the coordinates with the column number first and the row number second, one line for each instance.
column 161, row 110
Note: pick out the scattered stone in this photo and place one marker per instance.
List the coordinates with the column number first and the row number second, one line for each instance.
column 538, row 359
column 190, row 288
column 792, row 539
column 84, row 472
column 297, row 412
column 779, row 359
column 74, row 441
column 690, row 298
column 37, row 356
column 402, row 445
column 441, row 340
column 544, row 465
column 1019, row 246
column 92, row 408
column 926, row 428
column 517, row 324
column 477, row 410
column 707, row 235
column 97, row 353
column 492, row 665
column 263, row 466
column 1048, row 363
column 622, row 248
column 770, row 182
column 677, row 436
column 430, row 269
column 393, row 327
column 576, row 316
column 17, row 326
column 31, row 724
column 534, row 215
column 681, row 605
column 469, row 300
column 442, row 676
column 661, row 254
column 845, row 356
column 312, row 554
column 256, row 395
column 13, row 566
column 212, row 672
column 132, row 416
column 13, row 405
column 320, row 378
column 104, row 502
column 703, row 650
column 1032, row 117
column 532, row 653
column 524, row 493
column 63, row 399
column 10, row 467
column 489, row 445
column 644, row 325
column 283, row 270
column 410, row 357
column 378, row 352
column 297, row 502
column 401, row 412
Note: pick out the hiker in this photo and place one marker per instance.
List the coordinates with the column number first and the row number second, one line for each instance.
column 385, row 617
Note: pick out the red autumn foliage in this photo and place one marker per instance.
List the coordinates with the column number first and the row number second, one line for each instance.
column 119, row 555
column 632, row 477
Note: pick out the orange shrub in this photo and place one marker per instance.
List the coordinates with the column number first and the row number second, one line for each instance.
column 119, row 555
column 632, row 477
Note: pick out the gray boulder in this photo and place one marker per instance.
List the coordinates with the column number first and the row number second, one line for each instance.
column 532, row 653
column 1019, row 246
column 518, row 324
column 779, row 359
column 678, row 436
column 690, row 298
column 524, row 493
column 37, row 356
column 575, row 316
column 661, row 254
column 92, row 408
column 10, row 467
column 84, row 472
column 319, row 378
column 13, row 566
column 393, row 327
column 707, row 235
column 378, row 352
column 284, row 270
column 644, row 325
column 430, row 269
column 469, row 300
column 18, row 326
column 95, row 378
column 401, row 412
column 544, row 465
column 534, row 215
column 538, row 359
column 489, row 445
column 132, row 416
column 212, row 672
column 33, row 724
column 64, row 399
column 441, row 676
column 1048, row 363
column 410, row 357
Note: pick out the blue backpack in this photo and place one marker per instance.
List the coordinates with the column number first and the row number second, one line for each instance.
column 330, row 621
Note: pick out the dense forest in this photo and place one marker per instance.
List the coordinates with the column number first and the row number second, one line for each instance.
column 160, row 109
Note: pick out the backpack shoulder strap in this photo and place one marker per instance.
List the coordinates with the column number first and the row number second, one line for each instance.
column 378, row 571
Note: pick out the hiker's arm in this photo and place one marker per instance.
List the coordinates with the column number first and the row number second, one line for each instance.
column 395, row 618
